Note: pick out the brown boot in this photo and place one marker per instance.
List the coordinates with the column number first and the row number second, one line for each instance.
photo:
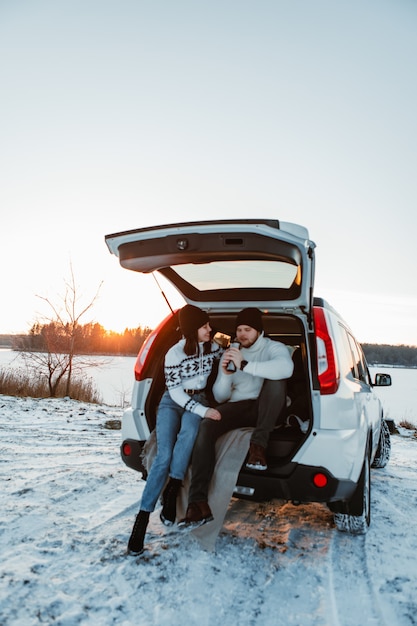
column 198, row 513
column 256, row 458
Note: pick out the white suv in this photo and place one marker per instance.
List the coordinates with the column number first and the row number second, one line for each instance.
column 333, row 429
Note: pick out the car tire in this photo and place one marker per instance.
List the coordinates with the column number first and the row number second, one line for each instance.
column 360, row 505
column 383, row 451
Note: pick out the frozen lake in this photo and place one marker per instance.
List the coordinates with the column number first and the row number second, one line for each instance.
column 114, row 381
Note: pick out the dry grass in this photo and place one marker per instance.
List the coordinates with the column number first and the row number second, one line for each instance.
column 18, row 382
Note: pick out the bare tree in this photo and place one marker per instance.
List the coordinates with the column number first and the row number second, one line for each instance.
column 56, row 358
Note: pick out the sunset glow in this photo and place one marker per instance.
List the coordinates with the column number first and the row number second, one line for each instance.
column 120, row 119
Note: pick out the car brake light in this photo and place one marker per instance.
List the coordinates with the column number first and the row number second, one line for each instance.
column 127, row 450
column 143, row 353
column 320, row 480
column 328, row 372
column 146, row 346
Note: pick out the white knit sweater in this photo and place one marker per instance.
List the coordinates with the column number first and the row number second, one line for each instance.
column 267, row 359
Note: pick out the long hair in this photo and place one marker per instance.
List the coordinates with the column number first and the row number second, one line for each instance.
column 191, row 344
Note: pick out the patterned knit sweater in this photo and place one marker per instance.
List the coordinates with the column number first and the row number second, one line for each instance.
column 189, row 372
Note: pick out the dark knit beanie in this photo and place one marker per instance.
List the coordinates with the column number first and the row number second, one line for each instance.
column 250, row 317
column 191, row 319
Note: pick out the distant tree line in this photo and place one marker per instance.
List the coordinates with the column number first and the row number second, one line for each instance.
column 54, row 350
column 384, row 354
column 89, row 338
column 92, row 338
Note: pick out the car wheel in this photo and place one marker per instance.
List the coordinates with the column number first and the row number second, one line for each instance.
column 358, row 516
column 383, row 451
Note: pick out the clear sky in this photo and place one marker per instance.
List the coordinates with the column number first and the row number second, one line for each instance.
column 126, row 113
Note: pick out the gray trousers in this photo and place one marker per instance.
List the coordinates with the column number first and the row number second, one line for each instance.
column 262, row 414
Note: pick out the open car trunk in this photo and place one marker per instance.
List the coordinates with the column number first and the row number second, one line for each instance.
column 288, row 329
column 224, row 266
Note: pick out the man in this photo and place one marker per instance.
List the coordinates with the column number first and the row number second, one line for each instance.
column 252, row 395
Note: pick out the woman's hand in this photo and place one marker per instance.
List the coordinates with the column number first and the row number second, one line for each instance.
column 213, row 414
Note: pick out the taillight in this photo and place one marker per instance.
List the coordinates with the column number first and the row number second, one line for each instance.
column 320, row 480
column 146, row 346
column 328, row 372
column 127, row 450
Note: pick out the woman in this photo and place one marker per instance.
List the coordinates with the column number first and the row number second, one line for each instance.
column 188, row 364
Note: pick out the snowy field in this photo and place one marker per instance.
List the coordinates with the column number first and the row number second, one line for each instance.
column 68, row 504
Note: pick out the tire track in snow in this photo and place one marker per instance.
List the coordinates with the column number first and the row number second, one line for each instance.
column 349, row 577
column 355, row 561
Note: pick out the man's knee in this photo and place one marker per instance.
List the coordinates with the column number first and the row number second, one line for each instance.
column 274, row 389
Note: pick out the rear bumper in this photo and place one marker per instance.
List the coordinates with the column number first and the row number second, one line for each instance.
column 296, row 483
column 293, row 482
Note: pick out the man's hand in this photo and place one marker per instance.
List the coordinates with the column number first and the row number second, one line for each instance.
column 231, row 354
column 213, row 414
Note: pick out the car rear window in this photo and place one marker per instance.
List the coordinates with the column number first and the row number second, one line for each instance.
column 240, row 274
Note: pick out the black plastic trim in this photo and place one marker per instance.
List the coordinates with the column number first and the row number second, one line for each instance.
column 152, row 254
column 295, row 483
column 134, row 460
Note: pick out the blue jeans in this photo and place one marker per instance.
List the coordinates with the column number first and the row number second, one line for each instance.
column 176, row 431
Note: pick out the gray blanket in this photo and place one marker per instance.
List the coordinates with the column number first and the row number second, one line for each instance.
column 231, row 450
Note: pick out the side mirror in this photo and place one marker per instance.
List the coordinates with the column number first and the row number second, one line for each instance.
column 383, row 380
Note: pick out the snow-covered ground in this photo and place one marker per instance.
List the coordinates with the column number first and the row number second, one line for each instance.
column 68, row 504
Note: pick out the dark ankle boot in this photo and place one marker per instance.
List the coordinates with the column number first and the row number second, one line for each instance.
column 135, row 545
column 169, row 501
